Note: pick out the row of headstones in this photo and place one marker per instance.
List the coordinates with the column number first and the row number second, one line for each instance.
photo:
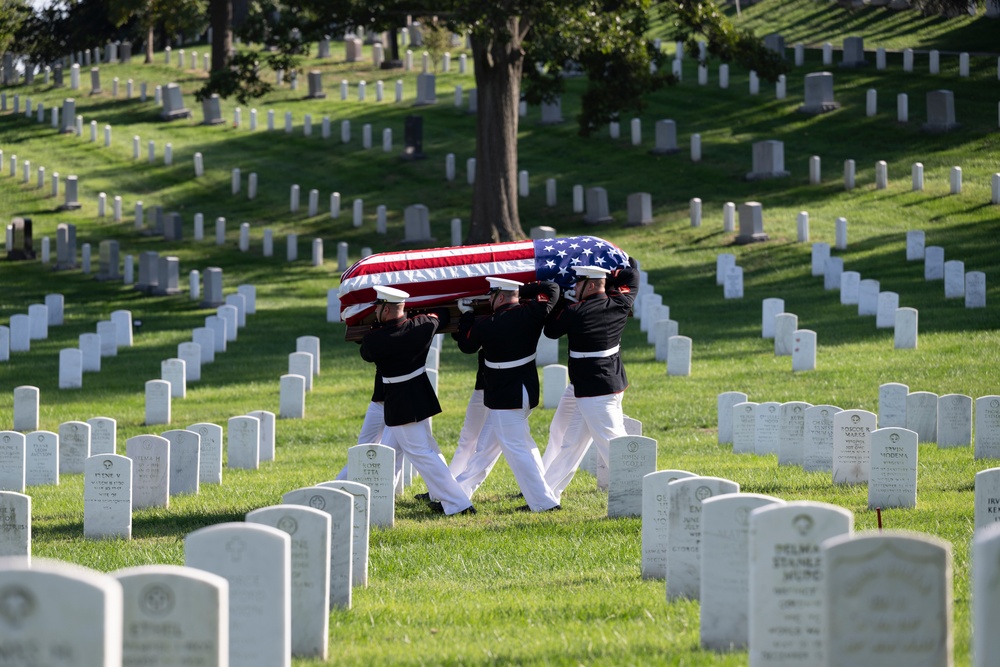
column 784, row 579
column 898, row 407
column 853, row 55
column 35, row 325
column 865, row 294
column 281, row 597
column 175, row 462
column 769, row 162
column 303, row 367
column 857, row 446
column 207, row 341
column 661, row 331
column 71, row 187
column 734, row 552
column 87, row 57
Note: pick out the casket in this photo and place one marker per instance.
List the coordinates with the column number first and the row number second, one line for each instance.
column 438, row 277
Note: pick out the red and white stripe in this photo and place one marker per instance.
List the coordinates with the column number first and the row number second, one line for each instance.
column 434, row 276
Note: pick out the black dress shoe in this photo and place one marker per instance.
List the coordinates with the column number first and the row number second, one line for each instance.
column 525, row 508
column 422, row 496
column 439, row 508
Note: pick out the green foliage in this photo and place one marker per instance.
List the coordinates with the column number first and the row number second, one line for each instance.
column 435, row 38
column 241, row 80
column 13, row 14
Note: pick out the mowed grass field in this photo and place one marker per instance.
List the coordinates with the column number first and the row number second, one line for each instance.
column 502, row 587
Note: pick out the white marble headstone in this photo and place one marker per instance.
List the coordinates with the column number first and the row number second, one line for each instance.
column 818, row 451
column 311, row 345
column 301, row 363
column 150, row 456
column 174, row 371
column 185, row 459
column 744, row 427
column 725, row 568
column 243, row 443
column 74, row 446
column 309, row 530
column 39, row 622
column 852, row 445
column 107, row 497
column 792, row 433
column 987, row 427
column 876, row 615
column 656, row 521
column 41, row 458
column 25, row 408
column 985, row 595
column 157, row 402
column 767, row 428
column 103, row 435
column 374, row 466
column 255, row 559
column 786, row 578
column 921, row 414
column 892, row 404
column 190, row 354
column 361, row 528
column 630, row 458
column 954, row 422
column 724, row 410
column 13, row 461
column 266, row 418
column 210, row 452
column 986, row 498
column 893, row 478
column 769, row 308
column 684, row 558
column 192, row 603
column 339, row 505
column 15, row 525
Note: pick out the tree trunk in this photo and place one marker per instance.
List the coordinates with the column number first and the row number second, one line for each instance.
column 221, row 20
column 498, row 89
column 149, row 44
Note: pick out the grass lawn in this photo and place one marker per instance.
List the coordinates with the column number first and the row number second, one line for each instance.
column 501, row 587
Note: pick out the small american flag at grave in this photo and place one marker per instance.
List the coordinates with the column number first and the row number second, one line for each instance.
column 438, row 277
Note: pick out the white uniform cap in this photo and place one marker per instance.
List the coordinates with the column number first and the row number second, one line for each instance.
column 504, row 284
column 389, row 295
column 590, row 272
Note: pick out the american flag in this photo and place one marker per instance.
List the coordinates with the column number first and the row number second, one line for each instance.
column 439, row 276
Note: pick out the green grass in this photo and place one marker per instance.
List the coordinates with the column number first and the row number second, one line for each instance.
column 501, row 587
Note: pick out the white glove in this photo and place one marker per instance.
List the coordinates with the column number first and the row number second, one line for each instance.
column 570, row 295
column 465, row 305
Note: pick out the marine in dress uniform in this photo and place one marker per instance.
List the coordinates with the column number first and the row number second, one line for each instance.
column 475, row 420
column 398, row 349
column 508, row 339
column 593, row 326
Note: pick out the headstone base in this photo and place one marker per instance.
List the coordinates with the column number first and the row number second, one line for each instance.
column 752, row 238
column 764, row 175
column 816, row 109
column 391, row 64
column 178, row 114
column 939, row 127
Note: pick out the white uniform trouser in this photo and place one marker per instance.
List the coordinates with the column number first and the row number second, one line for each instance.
column 420, row 448
column 600, row 418
column 566, row 412
column 510, row 430
column 479, row 465
column 475, row 418
column 373, row 432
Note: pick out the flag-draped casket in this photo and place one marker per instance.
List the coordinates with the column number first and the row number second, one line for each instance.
column 438, row 277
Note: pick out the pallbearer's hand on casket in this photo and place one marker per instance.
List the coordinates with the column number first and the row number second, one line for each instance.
column 464, row 306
